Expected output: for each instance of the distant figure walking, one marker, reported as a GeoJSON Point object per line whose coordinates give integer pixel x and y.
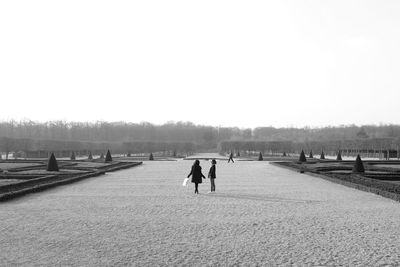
{"type": "Point", "coordinates": [231, 158]}
{"type": "Point", "coordinates": [197, 175]}
{"type": "Point", "coordinates": [211, 175]}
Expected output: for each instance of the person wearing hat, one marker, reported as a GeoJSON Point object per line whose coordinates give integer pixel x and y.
{"type": "Point", "coordinates": [211, 175]}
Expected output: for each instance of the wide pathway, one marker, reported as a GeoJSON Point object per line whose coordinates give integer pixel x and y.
{"type": "Point", "coordinates": [261, 215]}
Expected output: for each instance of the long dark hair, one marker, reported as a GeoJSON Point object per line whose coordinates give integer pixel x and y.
{"type": "Point", "coordinates": [196, 162]}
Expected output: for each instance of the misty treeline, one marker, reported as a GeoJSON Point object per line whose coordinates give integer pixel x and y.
{"type": "Point", "coordinates": [380, 141]}
{"type": "Point", "coordinates": [121, 137]}
{"type": "Point", "coordinates": [120, 131]}
{"type": "Point", "coordinates": [187, 137]}
{"type": "Point", "coordinates": [377, 147]}
{"type": "Point", "coordinates": [345, 132]}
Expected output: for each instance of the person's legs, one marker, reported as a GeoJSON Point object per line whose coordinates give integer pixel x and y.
{"type": "Point", "coordinates": [196, 188]}
{"type": "Point", "coordinates": [212, 185]}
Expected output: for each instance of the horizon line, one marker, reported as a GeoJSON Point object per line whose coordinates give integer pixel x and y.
{"type": "Point", "coordinates": [290, 126]}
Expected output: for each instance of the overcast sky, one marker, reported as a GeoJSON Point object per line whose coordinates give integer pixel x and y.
{"type": "Point", "coordinates": [229, 63]}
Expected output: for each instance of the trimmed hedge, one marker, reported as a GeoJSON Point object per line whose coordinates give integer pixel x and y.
{"type": "Point", "coordinates": [339, 156]}
{"type": "Point", "coordinates": [369, 182]}
{"type": "Point", "coordinates": [52, 165]}
{"type": "Point", "coordinates": [108, 156]}
{"type": "Point", "coordinates": [302, 157]}
{"type": "Point", "coordinates": [375, 182]}
{"type": "Point", "coordinates": [358, 165]}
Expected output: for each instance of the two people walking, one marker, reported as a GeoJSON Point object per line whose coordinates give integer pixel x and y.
{"type": "Point", "coordinates": [197, 175]}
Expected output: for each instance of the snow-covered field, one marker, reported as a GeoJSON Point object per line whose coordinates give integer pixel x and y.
{"type": "Point", "coordinates": [260, 215]}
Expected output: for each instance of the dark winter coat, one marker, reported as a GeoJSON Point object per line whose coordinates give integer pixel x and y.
{"type": "Point", "coordinates": [211, 172]}
{"type": "Point", "coordinates": [196, 173]}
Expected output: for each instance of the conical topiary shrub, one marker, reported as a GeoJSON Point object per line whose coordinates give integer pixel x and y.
{"type": "Point", "coordinates": [151, 156]}
{"type": "Point", "coordinates": [90, 157]}
{"type": "Point", "coordinates": [174, 154]}
{"type": "Point", "coordinates": [73, 157]}
{"type": "Point", "coordinates": [129, 154]}
{"type": "Point", "coordinates": [322, 155]}
{"type": "Point", "coordinates": [108, 156]}
{"type": "Point", "coordinates": [311, 154]}
{"type": "Point", "coordinates": [260, 157]}
{"type": "Point", "coordinates": [358, 165]}
{"type": "Point", "coordinates": [284, 154]}
{"type": "Point", "coordinates": [302, 157]}
{"type": "Point", "coordinates": [101, 156]}
{"type": "Point", "coordinates": [238, 154]}
{"type": "Point", "coordinates": [339, 156]}
{"type": "Point", "coordinates": [52, 165]}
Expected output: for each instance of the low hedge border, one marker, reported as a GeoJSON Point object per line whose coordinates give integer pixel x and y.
{"type": "Point", "coordinates": [379, 187]}
{"type": "Point", "coordinates": [43, 186]}
{"type": "Point", "coordinates": [122, 165]}
{"type": "Point", "coordinates": [19, 176]}
{"type": "Point", "coordinates": [11, 191]}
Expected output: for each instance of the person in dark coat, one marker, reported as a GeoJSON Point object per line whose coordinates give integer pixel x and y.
{"type": "Point", "coordinates": [211, 175]}
{"type": "Point", "coordinates": [231, 158]}
{"type": "Point", "coordinates": [197, 175]}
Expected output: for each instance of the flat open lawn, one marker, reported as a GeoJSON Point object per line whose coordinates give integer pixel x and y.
{"type": "Point", "coordinates": [8, 181]}
{"type": "Point", "coordinates": [394, 166]}
{"type": "Point", "coordinates": [261, 215]}
{"type": "Point", "coordinates": [90, 164]}
{"type": "Point", "coordinates": [12, 165]}
{"type": "Point", "coordinates": [44, 172]}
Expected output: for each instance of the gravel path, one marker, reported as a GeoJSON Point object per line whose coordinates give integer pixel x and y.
{"type": "Point", "coordinates": [261, 215]}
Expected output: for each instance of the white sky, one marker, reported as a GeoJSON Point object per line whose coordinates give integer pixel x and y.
{"type": "Point", "coordinates": [228, 63]}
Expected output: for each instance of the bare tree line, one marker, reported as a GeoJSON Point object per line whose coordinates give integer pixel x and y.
{"type": "Point", "coordinates": [345, 132]}
{"type": "Point", "coordinates": [185, 136]}
{"type": "Point", "coordinates": [183, 132]}
{"type": "Point", "coordinates": [119, 131]}
{"type": "Point", "coordinates": [371, 147]}
{"type": "Point", "coordinates": [38, 139]}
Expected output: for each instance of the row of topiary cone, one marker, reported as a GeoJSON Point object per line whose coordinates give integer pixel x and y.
{"type": "Point", "coordinates": [357, 168]}
{"type": "Point", "coordinates": [52, 164]}
{"type": "Point", "coordinates": [303, 156]}
{"type": "Point", "coordinates": [90, 157]}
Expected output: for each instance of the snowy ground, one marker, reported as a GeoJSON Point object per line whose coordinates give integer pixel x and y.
{"type": "Point", "coordinates": [261, 215]}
